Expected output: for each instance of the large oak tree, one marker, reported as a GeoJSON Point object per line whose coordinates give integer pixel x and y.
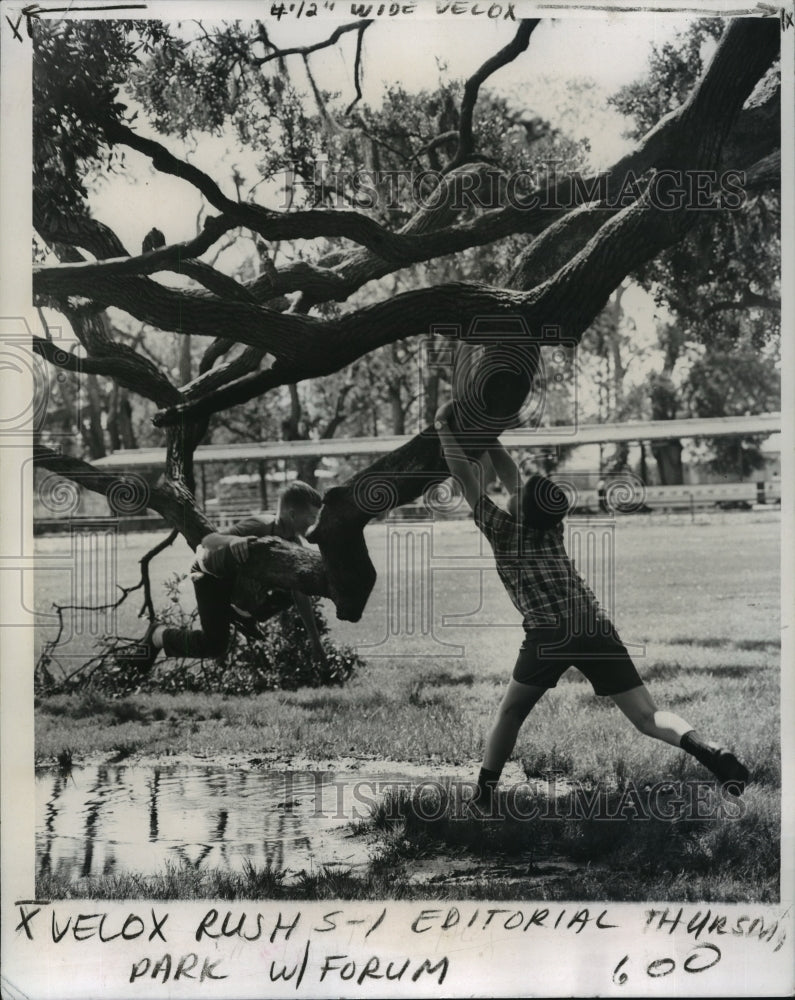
{"type": "Point", "coordinates": [582, 236]}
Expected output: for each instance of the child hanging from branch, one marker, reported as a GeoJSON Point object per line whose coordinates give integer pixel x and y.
{"type": "Point", "coordinates": [218, 558]}
{"type": "Point", "coordinates": [563, 621]}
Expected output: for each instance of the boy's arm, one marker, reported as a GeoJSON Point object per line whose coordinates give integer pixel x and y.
{"type": "Point", "coordinates": [305, 610]}
{"type": "Point", "coordinates": [236, 541]}
{"type": "Point", "coordinates": [237, 545]}
{"type": "Point", "coordinates": [504, 466]}
{"type": "Point", "coordinates": [457, 462]}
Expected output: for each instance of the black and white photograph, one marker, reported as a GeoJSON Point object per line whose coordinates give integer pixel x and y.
{"type": "Point", "coordinates": [397, 499]}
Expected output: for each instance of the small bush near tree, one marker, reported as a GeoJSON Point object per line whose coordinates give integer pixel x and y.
{"type": "Point", "coordinates": [276, 655]}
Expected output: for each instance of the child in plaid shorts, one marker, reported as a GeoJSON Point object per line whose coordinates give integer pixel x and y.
{"type": "Point", "coordinates": [563, 621]}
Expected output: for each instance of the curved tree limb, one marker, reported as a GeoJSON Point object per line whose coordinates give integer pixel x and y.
{"type": "Point", "coordinates": [765, 173]}
{"type": "Point", "coordinates": [216, 378]}
{"type": "Point", "coordinates": [217, 282]}
{"type": "Point", "coordinates": [76, 231]}
{"type": "Point", "coordinates": [518, 44]}
{"type": "Point", "coordinates": [357, 67]}
{"type": "Point", "coordinates": [305, 50]}
{"type": "Point", "coordinates": [123, 364]}
{"type": "Point", "coordinates": [169, 499]}
{"type": "Point", "coordinates": [272, 225]}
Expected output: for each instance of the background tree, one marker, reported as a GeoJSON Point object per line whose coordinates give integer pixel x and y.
{"type": "Point", "coordinates": [720, 283]}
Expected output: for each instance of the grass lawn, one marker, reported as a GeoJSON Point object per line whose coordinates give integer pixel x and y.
{"type": "Point", "coordinates": [701, 601]}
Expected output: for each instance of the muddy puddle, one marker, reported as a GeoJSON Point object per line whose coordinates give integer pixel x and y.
{"type": "Point", "coordinates": [107, 818]}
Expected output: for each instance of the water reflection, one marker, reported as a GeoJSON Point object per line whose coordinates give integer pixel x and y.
{"type": "Point", "coordinates": [108, 818]}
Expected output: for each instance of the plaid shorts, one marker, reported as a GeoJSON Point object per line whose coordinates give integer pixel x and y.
{"type": "Point", "coordinates": [595, 650]}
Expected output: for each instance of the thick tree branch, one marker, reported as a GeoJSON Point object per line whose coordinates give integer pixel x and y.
{"type": "Point", "coordinates": [214, 352]}
{"type": "Point", "coordinates": [549, 251]}
{"type": "Point", "coordinates": [168, 258]}
{"type": "Point", "coordinates": [215, 281]}
{"type": "Point", "coordinates": [213, 379]}
{"type": "Point", "coordinates": [122, 363]}
{"type": "Point", "coordinates": [247, 386]}
{"type": "Point", "coordinates": [174, 503]}
{"type": "Point", "coordinates": [764, 174]}
{"type": "Point", "coordinates": [76, 231]}
{"type": "Point", "coordinates": [269, 224]}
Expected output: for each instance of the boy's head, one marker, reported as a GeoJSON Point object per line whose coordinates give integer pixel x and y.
{"type": "Point", "coordinates": [299, 504]}
{"type": "Point", "coordinates": [539, 503]}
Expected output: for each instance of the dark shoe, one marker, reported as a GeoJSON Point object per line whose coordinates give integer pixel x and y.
{"type": "Point", "coordinates": [484, 804]}
{"type": "Point", "coordinates": [728, 770]}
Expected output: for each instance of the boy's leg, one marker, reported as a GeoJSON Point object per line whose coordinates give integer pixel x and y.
{"type": "Point", "coordinates": [215, 616]}
{"type": "Point", "coordinates": [637, 704]}
{"type": "Point", "coordinates": [516, 705]}
{"type": "Point", "coordinates": [605, 661]}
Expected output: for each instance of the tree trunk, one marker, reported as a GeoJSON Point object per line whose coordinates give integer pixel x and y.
{"type": "Point", "coordinates": [185, 367]}
{"type": "Point", "coordinates": [305, 466]}
{"type": "Point", "coordinates": [396, 406]}
{"type": "Point", "coordinates": [431, 397]}
{"type": "Point", "coordinates": [120, 426]}
{"type": "Point", "coordinates": [126, 429]}
{"type": "Point", "coordinates": [306, 470]}
{"type": "Point", "coordinates": [618, 459]}
{"type": "Point", "coordinates": [92, 419]}
{"type": "Point", "coordinates": [668, 455]}
{"type": "Point", "coordinates": [644, 468]}
{"type": "Point", "coordinates": [114, 434]}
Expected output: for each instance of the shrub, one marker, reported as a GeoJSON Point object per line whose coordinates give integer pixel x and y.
{"type": "Point", "coordinates": [274, 655]}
